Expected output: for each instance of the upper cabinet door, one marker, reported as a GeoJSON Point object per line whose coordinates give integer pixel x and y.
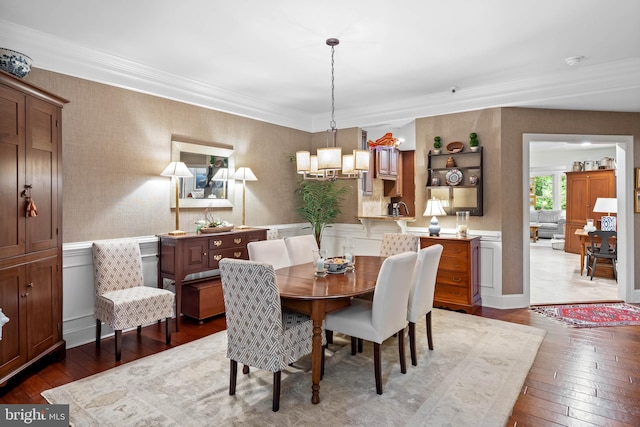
{"type": "Point", "coordinates": [12, 147]}
{"type": "Point", "coordinates": [42, 120]}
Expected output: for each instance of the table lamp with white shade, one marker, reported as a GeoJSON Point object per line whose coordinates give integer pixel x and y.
{"type": "Point", "coordinates": [177, 170]}
{"type": "Point", "coordinates": [434, 209]}
{"type": "Point", "coordinates": [245, 174]}
{"type": "Point", "coordinates": [607, 205]}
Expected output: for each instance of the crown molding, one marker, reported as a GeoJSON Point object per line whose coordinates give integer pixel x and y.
{"type": "Point", "coordinates": [572, 88]}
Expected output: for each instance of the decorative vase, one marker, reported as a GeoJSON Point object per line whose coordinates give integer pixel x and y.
{"type": "Point", "coordinates": [474, 148]}
{"type": "Point", "coordinates": [462, 224]}
{"type": "Point", "coordinates": [436, 151]}
{"type": "Point", "coordinates": [451, 163]}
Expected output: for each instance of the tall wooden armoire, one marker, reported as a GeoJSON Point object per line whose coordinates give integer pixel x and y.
{"type": "Point", "coordinates": [583, 188]}
{"type": "Point", "coordinates": [30, 239]}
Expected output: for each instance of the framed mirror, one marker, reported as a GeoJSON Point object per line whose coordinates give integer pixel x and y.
{"type": "Point", "coordinates": [211, 165]}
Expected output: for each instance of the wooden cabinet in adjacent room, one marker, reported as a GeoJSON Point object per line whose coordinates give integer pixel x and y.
{"type": "Point", "coordinates": [31, 228]}
{"type": "Point", "coordinates": [583, 189]}
{"type": "Point", "coordinates": [388, 162]}
{"type": "Point", "coordinates": [458, 279]}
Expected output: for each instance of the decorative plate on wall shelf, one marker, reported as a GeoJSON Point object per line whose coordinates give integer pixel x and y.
{"type": "Point", "coordinates": [455, 147]}
{"type": "Point", "coordinates": [454, 177]}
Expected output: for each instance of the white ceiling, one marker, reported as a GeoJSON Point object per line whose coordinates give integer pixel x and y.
{"type": "Point", "coordinates": [396, 60]}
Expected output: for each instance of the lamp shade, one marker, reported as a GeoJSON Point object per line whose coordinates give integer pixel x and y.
{"type": "Point", "coordinates": [221, 175]}
{"type": "Point", "coordinates": [303, 161]}
{"type": "Point", "coordinates": [245, 174]}
{"type": "Point", "coordinates": [330, 158]}
{"type": "Point", "coordinates": [606, 204]}
{"type": "Point", "coordinates": [434, 208]}
{"type": "Point", "coordinates": [361, 159]}
{"type": "Point", "coordinates": [177, 169]}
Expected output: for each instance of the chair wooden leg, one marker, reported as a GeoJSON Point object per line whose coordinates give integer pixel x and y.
{"type": "Point", "coordinates": [329, 335]}
{"type": "Point", "coordinates": [377, 368]}
{"type": "Point", "coordinates": [412, 343]}
{"type": "Point", "coordinates": [233, 374]}
{"type": "Point", "coordinates": [401, 352]}
{"type": "Point", "coordinates": [593, 268]}
{"type": "Point", "coordinates": [245, 369]}
{"type": "Point", "coordinates": [118, 345]}
{"type": "Point", "coordinates": [360, 340]}
{"type": "Point", "coordinates": [429, 335]}
{"type": "Point", "coordinates": [98, 331]}
{"type": "Point", "coordinates": [168, 330]}
{"type": "Point", "coordinates": [276, 391]}
{"type": "Point", "coordinates": [353, 345]}
{"type": "Point", "coordinates": [139, 330]}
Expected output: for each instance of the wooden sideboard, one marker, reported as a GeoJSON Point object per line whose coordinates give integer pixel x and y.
{"type": "Point", "coordinates": [181, 256]}
{"type": "Point", "coordinates": [458, 279]}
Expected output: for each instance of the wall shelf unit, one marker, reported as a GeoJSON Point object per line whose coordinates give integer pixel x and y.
{"type": "Point", "coordinates": [459, 185]}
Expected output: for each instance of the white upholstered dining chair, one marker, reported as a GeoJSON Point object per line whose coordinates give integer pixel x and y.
{"type": "Point", "coordinates": [259, 332]}
{"type": "Point", "coordinates": [122, 300]}
{"type": "Point", "coordinates": [301, 248]}
{"type": "Point", "coordinates": [272, 252]}
{"type": "Point", "coordinates": [396, 243]}
{"type": "Point", "coordinates": [421, 294]}
{"type": "Point", "coordinates": [383, 317]}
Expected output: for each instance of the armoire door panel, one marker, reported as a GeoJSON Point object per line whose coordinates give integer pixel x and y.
{"type": "Point", "coordinates": [41, 287]}
{"type": "Point", "coordinates": [42, 174]}
{"type": "Point", "coordinates": [13, 301]}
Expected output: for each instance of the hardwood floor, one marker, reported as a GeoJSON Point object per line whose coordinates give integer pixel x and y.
{"type": "Point", "coordinates": [580, 377]}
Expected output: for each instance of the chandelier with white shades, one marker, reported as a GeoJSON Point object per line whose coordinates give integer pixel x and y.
{"type": "Point", "coordinates": [329, 164]}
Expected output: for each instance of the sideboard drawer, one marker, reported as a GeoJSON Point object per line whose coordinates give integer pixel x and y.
{"type": "Point", "coordinates": [450, 293]}
{"type": "Point", "coordinates": [453, 263]}
{"type": "Point", "coordinates": [456, 249]}
{"type": "Point", "coordinates": [236, 253]}
{"type": "Point", "coordinates": [227, 241]}
{"type": "Point", "coordinates": [455, 278]}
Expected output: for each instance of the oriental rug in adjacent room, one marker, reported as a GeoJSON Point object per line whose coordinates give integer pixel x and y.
{"type": "Point", "coordinates": [592, 315]}
{"type": "Point", "coordinates": [472, 377]}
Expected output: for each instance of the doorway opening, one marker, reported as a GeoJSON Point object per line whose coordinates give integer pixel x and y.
{"type": "Point", "coordinates": [551, 275]}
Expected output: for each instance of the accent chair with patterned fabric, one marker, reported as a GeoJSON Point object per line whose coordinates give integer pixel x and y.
{"type": "Point", "coordinates": [259, 332]}
{"type": "Point", "coordinates": [396, 243]}
{"type": "Point", "coordinates": [423, 287]}
{"type": "Point", "coordinates": [122, 300]}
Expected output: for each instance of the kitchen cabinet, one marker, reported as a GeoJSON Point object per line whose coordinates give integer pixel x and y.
{"type": "Point", "coordinates": [457, 179]}
{"type": "Point", "coordinates": [30, 246]}
{"type": "Point", "coordinates": [458, 278]}
{"type": "Point", "coordinates": [404, 188]}
{"type": "Point", "coordinates": [388, 163]}
{"type": "Point", "coordinates": [583, 188]}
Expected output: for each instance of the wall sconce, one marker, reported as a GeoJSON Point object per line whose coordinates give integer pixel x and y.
{"type": "Point", "coordinates": [177, 170]}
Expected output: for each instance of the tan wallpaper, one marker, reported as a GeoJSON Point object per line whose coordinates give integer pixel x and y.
{"type": "Point", "coordinates": [116, 142]}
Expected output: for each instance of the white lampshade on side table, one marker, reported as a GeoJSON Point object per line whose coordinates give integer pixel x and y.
{"type": "Point", "coordinates": [607, 205]}
{"type": "Point", "coordinates": [177, 170]}
{"type": "Point", "coordinates": [434, 209]}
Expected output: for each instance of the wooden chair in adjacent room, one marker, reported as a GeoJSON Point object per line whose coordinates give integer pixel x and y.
{"type": "Point", "coordinates": [122, 300]}
{"type": "Point", "coordinates": [383, 317]}
{"type": "Point", "coordinates": [259, 332]}
{"type": "Point", "coordinates": [272, 252]}
{"type": "Point", "coordinates": [605, 250]}
{"type": "Point", "coordinates": [421, 295]}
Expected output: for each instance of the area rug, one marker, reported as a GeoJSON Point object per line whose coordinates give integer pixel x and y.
{"type": "Point", "coordinates": [592, 315]}
{"type": "Point", "coordinates": [472, 377]}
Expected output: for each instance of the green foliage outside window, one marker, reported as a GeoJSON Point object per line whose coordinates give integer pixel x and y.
{"type": "Point", "coordinates": [543, 187]}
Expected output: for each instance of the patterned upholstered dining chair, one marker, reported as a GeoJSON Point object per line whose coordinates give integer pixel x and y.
{"type": "Point", "coordinates": [122, 300]}
{"type": "Point", "coordinates": [259, 332]}
{"type": "Point", "coordinates": [383, 317]}
{"type": "Point", "coordinates": [423, 286]}
{"type": "Point", "coordinates": [396, 243]}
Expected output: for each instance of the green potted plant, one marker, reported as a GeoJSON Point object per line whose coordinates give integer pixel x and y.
{"type": "Point", "coordinates": [319, 203]}
{"type": "Point", "coordinates": [473, 141]}
{"type": "Point", "coordinates": [437, 144]}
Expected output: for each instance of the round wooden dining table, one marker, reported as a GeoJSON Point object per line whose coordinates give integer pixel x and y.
{"type": "Point", "coordinates": [304, 292]}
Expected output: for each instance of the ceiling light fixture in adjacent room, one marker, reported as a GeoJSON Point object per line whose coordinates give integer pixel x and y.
{"type": "Point", "coordinates": [574, 60]}
{"type": "Point", "coordinates": [329, 161]}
